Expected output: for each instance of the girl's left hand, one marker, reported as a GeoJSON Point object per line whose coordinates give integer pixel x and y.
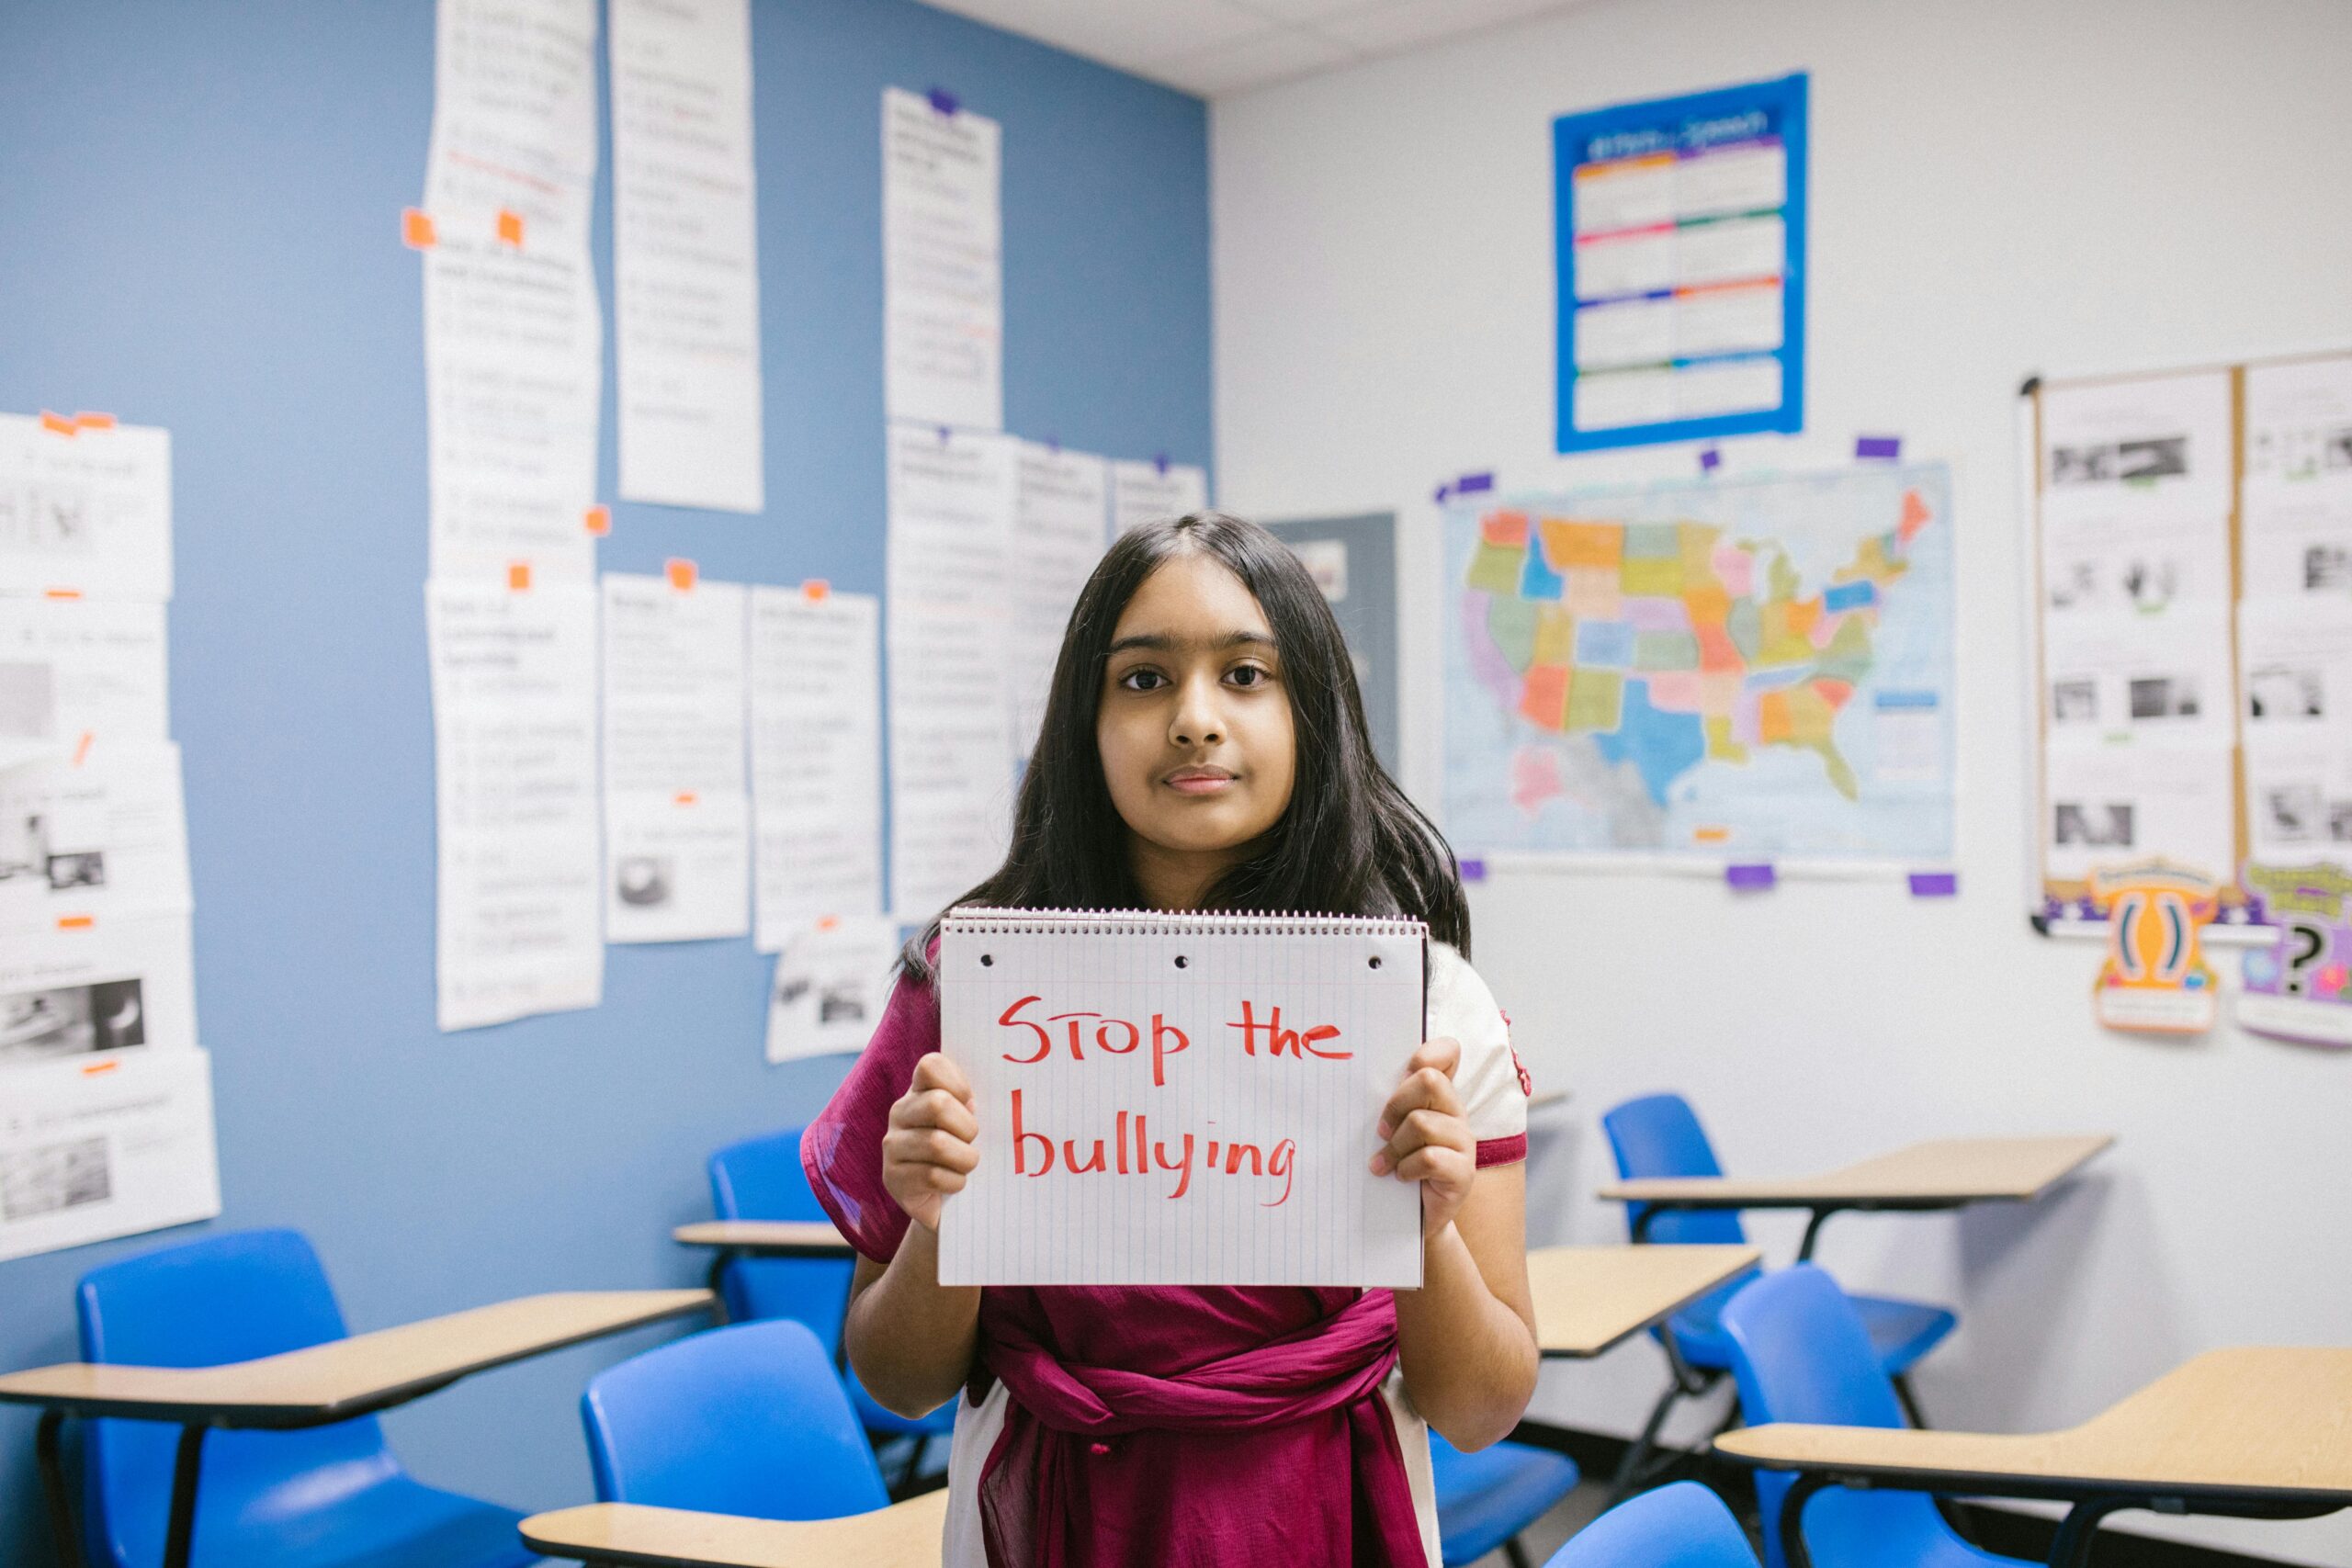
{"type": "Point", "coordinates": [1427, 1140]}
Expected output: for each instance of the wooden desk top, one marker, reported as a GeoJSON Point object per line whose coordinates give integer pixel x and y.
{"type": "Point", "coordinates": [905, 1535]}
{"type": "Point", "coordinates": [1941, 1174]}
{"type": "Point", "coordinates": [2272, 1421]}
{"type": "Point", "coordinates": [348, 1377]}
{"type": "Point", "coordinates": [1590, 1298]}
{"type": "Point", "coordinates": [778, 1238]}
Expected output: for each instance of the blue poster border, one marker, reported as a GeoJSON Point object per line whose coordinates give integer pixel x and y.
{"type": "Point", "coordinates": [1786, 94]}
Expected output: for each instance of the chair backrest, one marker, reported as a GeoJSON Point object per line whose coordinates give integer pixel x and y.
{"type": "Point", "coordinates": [220, 1298]}
{"type": "Point", "coordinates": [1682, 1526]}
{"type": "Point", "coordinates": [1660, 1135]}
{"type": "Point", "coordinates": [1800, 1353]}
{"type": "Point", "coordinates": [750, 1420]}
{"type": "Point", "coordinates": [763, 1179]}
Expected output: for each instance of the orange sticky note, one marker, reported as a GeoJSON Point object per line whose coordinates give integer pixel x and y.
{"type": "Point", "coordinates": [93, 421]}
{"type": "Point", "coordinates": [683, 797]}
{"type": "Point", "coordinates": [510, 226]}
{"type": "Point", "coordinates": [816, 588]}
{"type": "Point", "coordinates": [680, 573]}
{"type": "Point", "coordinates": [75, 922]}
{"type": "Point", "coordinates": [57, 424]}
{"type": "Point", "coordinates": [416, 230]}
{"type": "Point", "coordinates": [518, 575]}
{"type": "Point", "coordinates": [598, 520]}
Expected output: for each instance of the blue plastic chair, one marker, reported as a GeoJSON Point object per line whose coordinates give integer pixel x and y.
{"type": "Point", "coordinates": [1660, 1135]}
{"type": "Point", "coordinates": [1801, 1353]}
{"type": "Point", "coordinates": [748, 1420]}
{"type": "Point", "coordinates": [1682, 1526]}
{"type": "Point", "coordinates": [324, 1498]}
{"type": "Point", "coordinates": [763, 1179]}
{"type": "Point", "coordinates": [1484, 1499]}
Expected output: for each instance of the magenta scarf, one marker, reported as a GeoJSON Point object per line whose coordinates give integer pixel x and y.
{"type": "Point", "coordinates": [1149, 1425]}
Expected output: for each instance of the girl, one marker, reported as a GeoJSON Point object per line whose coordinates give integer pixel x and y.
{"type": "Point", "coordinates": [1204, 747]}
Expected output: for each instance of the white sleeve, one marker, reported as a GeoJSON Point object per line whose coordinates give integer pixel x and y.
{"type": "Point", "coordinates": [1493, 1087]}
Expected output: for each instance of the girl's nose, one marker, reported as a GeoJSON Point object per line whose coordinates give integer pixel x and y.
{"type": "Point", "coordinates": [1196, 721]}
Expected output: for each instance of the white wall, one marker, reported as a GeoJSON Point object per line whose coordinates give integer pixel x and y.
{"type": "Point", "coordinates": [1999, 188]}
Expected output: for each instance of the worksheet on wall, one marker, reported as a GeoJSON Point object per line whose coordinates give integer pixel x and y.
{"type": "Point", "coordinates": [94, 1148]}
{"type": "Point", "coordinates": [101, 838]}
{"type": "Point", "coordinates": [1058, 536]}
{"type": "Point", "coordinates": [96, 985]}
{"type": "Point", "coordinates": [816, 759]}
{"type": "Point", "coordinates": [677, 809]}
{"type": "Point", "coordinates": [830, 985]}
{"type": "Point", "coordinates": [1155, 491]}
{"type": "Point", "coordinates": [952, 500]}
{"type": "Point", "coordinates": [685, 253]}
{"type": "Point", "coordinates": [943, 270]}
{"type": "Point", "coordinates": [85, 507]}
{"type": "Point", "coordinates": [80, 672]}
{"type": "Point", "coordinates": [514, 333]}
{"type": "Point", "coordinates": [519, 926]}
{"type": "Point", "coordinates": [2298, 496]}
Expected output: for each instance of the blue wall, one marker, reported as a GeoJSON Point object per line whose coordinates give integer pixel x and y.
{"type": "Point", "coordinates": [198, 228]}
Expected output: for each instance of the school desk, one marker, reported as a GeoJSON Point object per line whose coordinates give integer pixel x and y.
{"type": "Point", "coordinates": [730, 1239]}
{"type": "Point", "coordinates": [1588, 1298]}
{"type": "Point", "coordinates": [1946, 1173]}
{"type": "Point", "coordinates": [312, 1387]}
{"type": "Point", "coordinates": [904, 1535]}
{"type": "Point", "coordinates": [2263, 1433]}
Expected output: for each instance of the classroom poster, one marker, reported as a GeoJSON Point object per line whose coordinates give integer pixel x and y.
{"type": "Point", "coordinates": [942, 261]}
{"type": "Point", "coordinates": [1058, 519]}
{"type": "Point", "coordinates": [1680, 257]}
{"type": "Point", "coordinates": [816, 683]}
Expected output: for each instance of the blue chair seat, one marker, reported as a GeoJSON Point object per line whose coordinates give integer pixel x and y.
{"type": "Point", "coordinates": [1486, 1498]}
{"type": "Point", "coordinates": [1682, 1526]}
{"type": "Point", "coordinates": [390, 1522]}
{"type": "Point", "coordinates": [940, 1423]}
{"type": "Point", "coordinates": [1900, 1331]}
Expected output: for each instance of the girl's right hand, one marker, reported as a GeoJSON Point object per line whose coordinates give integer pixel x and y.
{"type": "Point", "coordinates": [929, 1148]}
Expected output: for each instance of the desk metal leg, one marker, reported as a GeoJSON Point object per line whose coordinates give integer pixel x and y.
{"type": "Point", "coordinates": [718, 1262]}
{"type": "Point", "coordinates": [1792, 1549]}
{"type": "Point", "coordinates": [1813, 1234]}
{"type": "Point", "coordinates": [53, 1486]}
{"type": "Point", "coordinates": [179, 1540]}
{"type": "Point", "coordinates": [2072, 1549]}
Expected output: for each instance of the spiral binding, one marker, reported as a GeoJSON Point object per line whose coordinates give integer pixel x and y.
{"type": "Point", "coordinates": [1162, 922]}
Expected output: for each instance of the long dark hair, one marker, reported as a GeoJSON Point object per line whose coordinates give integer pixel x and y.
{"type": "Point", "coordinates": [1349, 843]}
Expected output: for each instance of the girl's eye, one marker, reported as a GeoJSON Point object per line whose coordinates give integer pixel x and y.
{"type": "Point", "coordinates": [1246, 675]}
{"type": "Point", "coordinates": [1141, 680]}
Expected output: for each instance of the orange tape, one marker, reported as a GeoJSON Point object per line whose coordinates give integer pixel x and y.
{"type": "Point", "coordinates": [518, 575]}
{"type": "Point", "coordinates": [510, 226]}
{"type": "Point", "coordinates": [416, 230]}
{"type": "Point", "coordinates": [93, 421]}
{"type": "Point", "coordinates": [816, 588]}
{"type": "Point", "coordinates": [82, 750]}
{"type": "Point", "coordinates": [829, 922]}
{"type": "Point", "coordinates": [96, 1068]}
{"type": "Point", "coordinates": [75, 922]}
{"type": "Point", "coordinates": [680, 573]}
{"type": "Point", "coordinates": [1712, 835]}
{"type": "Point", "coordinates": [683, 797]}
{"type": "Point", "coordinates": [61, 594]}
{"type": "Point", "coordinates": [57, 424]}
{"type": "Point", "coordinates": [598, 520]}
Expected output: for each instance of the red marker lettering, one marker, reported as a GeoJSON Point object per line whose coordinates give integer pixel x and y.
{"type": "Point", "coordinates": [1021, 1142]}
{"type": "Point", "coordinates": [1044, 1041]}
{"type": "Point", "coordinates": [1184, 1166]}
{"type": "Point", "coordinates": [1161, 1032]}
{"type": "Point", "coordinates": [1075, 1054]}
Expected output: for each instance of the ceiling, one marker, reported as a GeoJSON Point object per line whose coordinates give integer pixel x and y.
{"type": "Point", "coordinates": [1216, 47]}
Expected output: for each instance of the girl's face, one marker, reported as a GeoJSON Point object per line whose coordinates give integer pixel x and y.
{"type": "Point", "coordinates": [1194, 723]}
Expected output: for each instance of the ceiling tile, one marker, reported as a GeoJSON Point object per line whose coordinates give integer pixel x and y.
{"type": "Point", "coordinates": [1124, 33]}
{"type": "Point", "coordinates": [1404, 24]}
{"type": "Point", "coordinates": [1275, 56]}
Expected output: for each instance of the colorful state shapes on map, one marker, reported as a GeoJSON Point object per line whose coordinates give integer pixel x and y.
{"type": "Point", "coordinates": [1648, 615]}
{"type": "Point", "coordinates": [1488, 665]}
{"type": "Point", "coordinates": [1653, 541]}
{"type": "Point", "coordinates": [1536, 778]}
{"type": "Point", "coordinates": [1507, 529]}
{"type": "Point", "coordinates": [1800, 716]}
{"type": "Point", "coordinates": [1680, 692]}
{"type": "Point", "coordinates": [1569, 544]}
{"type": "Point", "coordinates": [1716, 650]}
{"type": "Point", "coordinates": [1848, 657]}
{"type": "Point", "coordinates": [1748, 718]}
{"type": "Point", "coordinates": [1496, 569]}
{"type": "Point", "coordinates": [1593, 594]}
{"type": "Point", "coordinates": [1556, 636]}
{"type": "Point", "coordinates": [1785, 625]}
{"type": "Point", "coordinates": [1537, 580]}
{"type": "Point", "coordinates": [1666, 652]}
{"type": "Point", "coordinates": [1696, 544]}
{"type": "Point", "coordinates": [1844, 596]}
{"type": "Point", "coordinates": [1774, 727]}
{"type": "Point", "coordinates": [1704, 603]}
{"type": "Point", "coordinates": [1605, 645]}
{"type": "Point", "coordinates": [1836, 693]}
{"type": "Point", "coordinates": [1915, 516]}
{"type": "Point", "coordinates": [1510, 621]}
{"type": "Point", "coordinates": [1721, 744]}
{"type": "Point", "coordinates": [1544, 699]}
{"type": "Point", "coordinates": [1745, 626]}
{"type": "Point", "coordinates": [1596, 699]}
{"type": "Point", "coordinates": [1735, 568]}
{"type": "Point", "coordinates": [1652, 576]}
{"type": "Point", "coordinates": [1661, 746]}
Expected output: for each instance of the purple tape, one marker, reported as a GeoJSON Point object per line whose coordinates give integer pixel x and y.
{"type": "Point", "coordinates": [1750, 878]}
{"type": "Point", "coordinates": [1887, 446]}
{"type": "Point", "coordinates": [1935, 885]}
{"type": "Point", "coordinates": [942, 100]}
{"type": "Point", "coordinates": [1471, 484]}
{"type": "Point", "coordinates": [1474, 870]}
{"type": "Point", "coordinates": [1709, 460]}
{"type": "Point", "coordinates": [1159, 461]}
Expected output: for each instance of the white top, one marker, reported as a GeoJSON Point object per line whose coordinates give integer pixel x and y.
{"type": "Point", "coordinates": [1493, 1089]}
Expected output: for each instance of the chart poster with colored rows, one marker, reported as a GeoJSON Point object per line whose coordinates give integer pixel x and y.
{"type": "Point", "coordinates": [1681, 233]}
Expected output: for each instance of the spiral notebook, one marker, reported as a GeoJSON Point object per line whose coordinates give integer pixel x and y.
{"type": "Point", "coordinates": [1180, 1099]}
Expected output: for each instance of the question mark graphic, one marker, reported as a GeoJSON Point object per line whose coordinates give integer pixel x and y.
{"type": "Point", "coordinates": [2310, 942]}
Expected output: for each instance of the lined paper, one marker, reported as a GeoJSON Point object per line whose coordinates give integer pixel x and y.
{"type": "Point", "coordinates": [1290, 1200]}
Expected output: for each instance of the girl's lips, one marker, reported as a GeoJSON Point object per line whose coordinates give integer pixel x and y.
{"type": "Point", "coordinates": [1198, 781]}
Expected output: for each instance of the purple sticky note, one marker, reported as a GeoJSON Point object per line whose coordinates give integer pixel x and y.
{"type": "Point", "coordinates": [1750, 878]}
{"type": "Point", "coordinates": [1709, 460]}
{"type": "Point", "coordinates": [1474, 870]}
{"type": "Point", "coordinates": [1470, 484]}
{"type": "Point", "coordinates": [1935, 885]}
{"type": "Point", "coordinates": [1889, 447]}
{"type": "Point", "coordinates": [942, 100]}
